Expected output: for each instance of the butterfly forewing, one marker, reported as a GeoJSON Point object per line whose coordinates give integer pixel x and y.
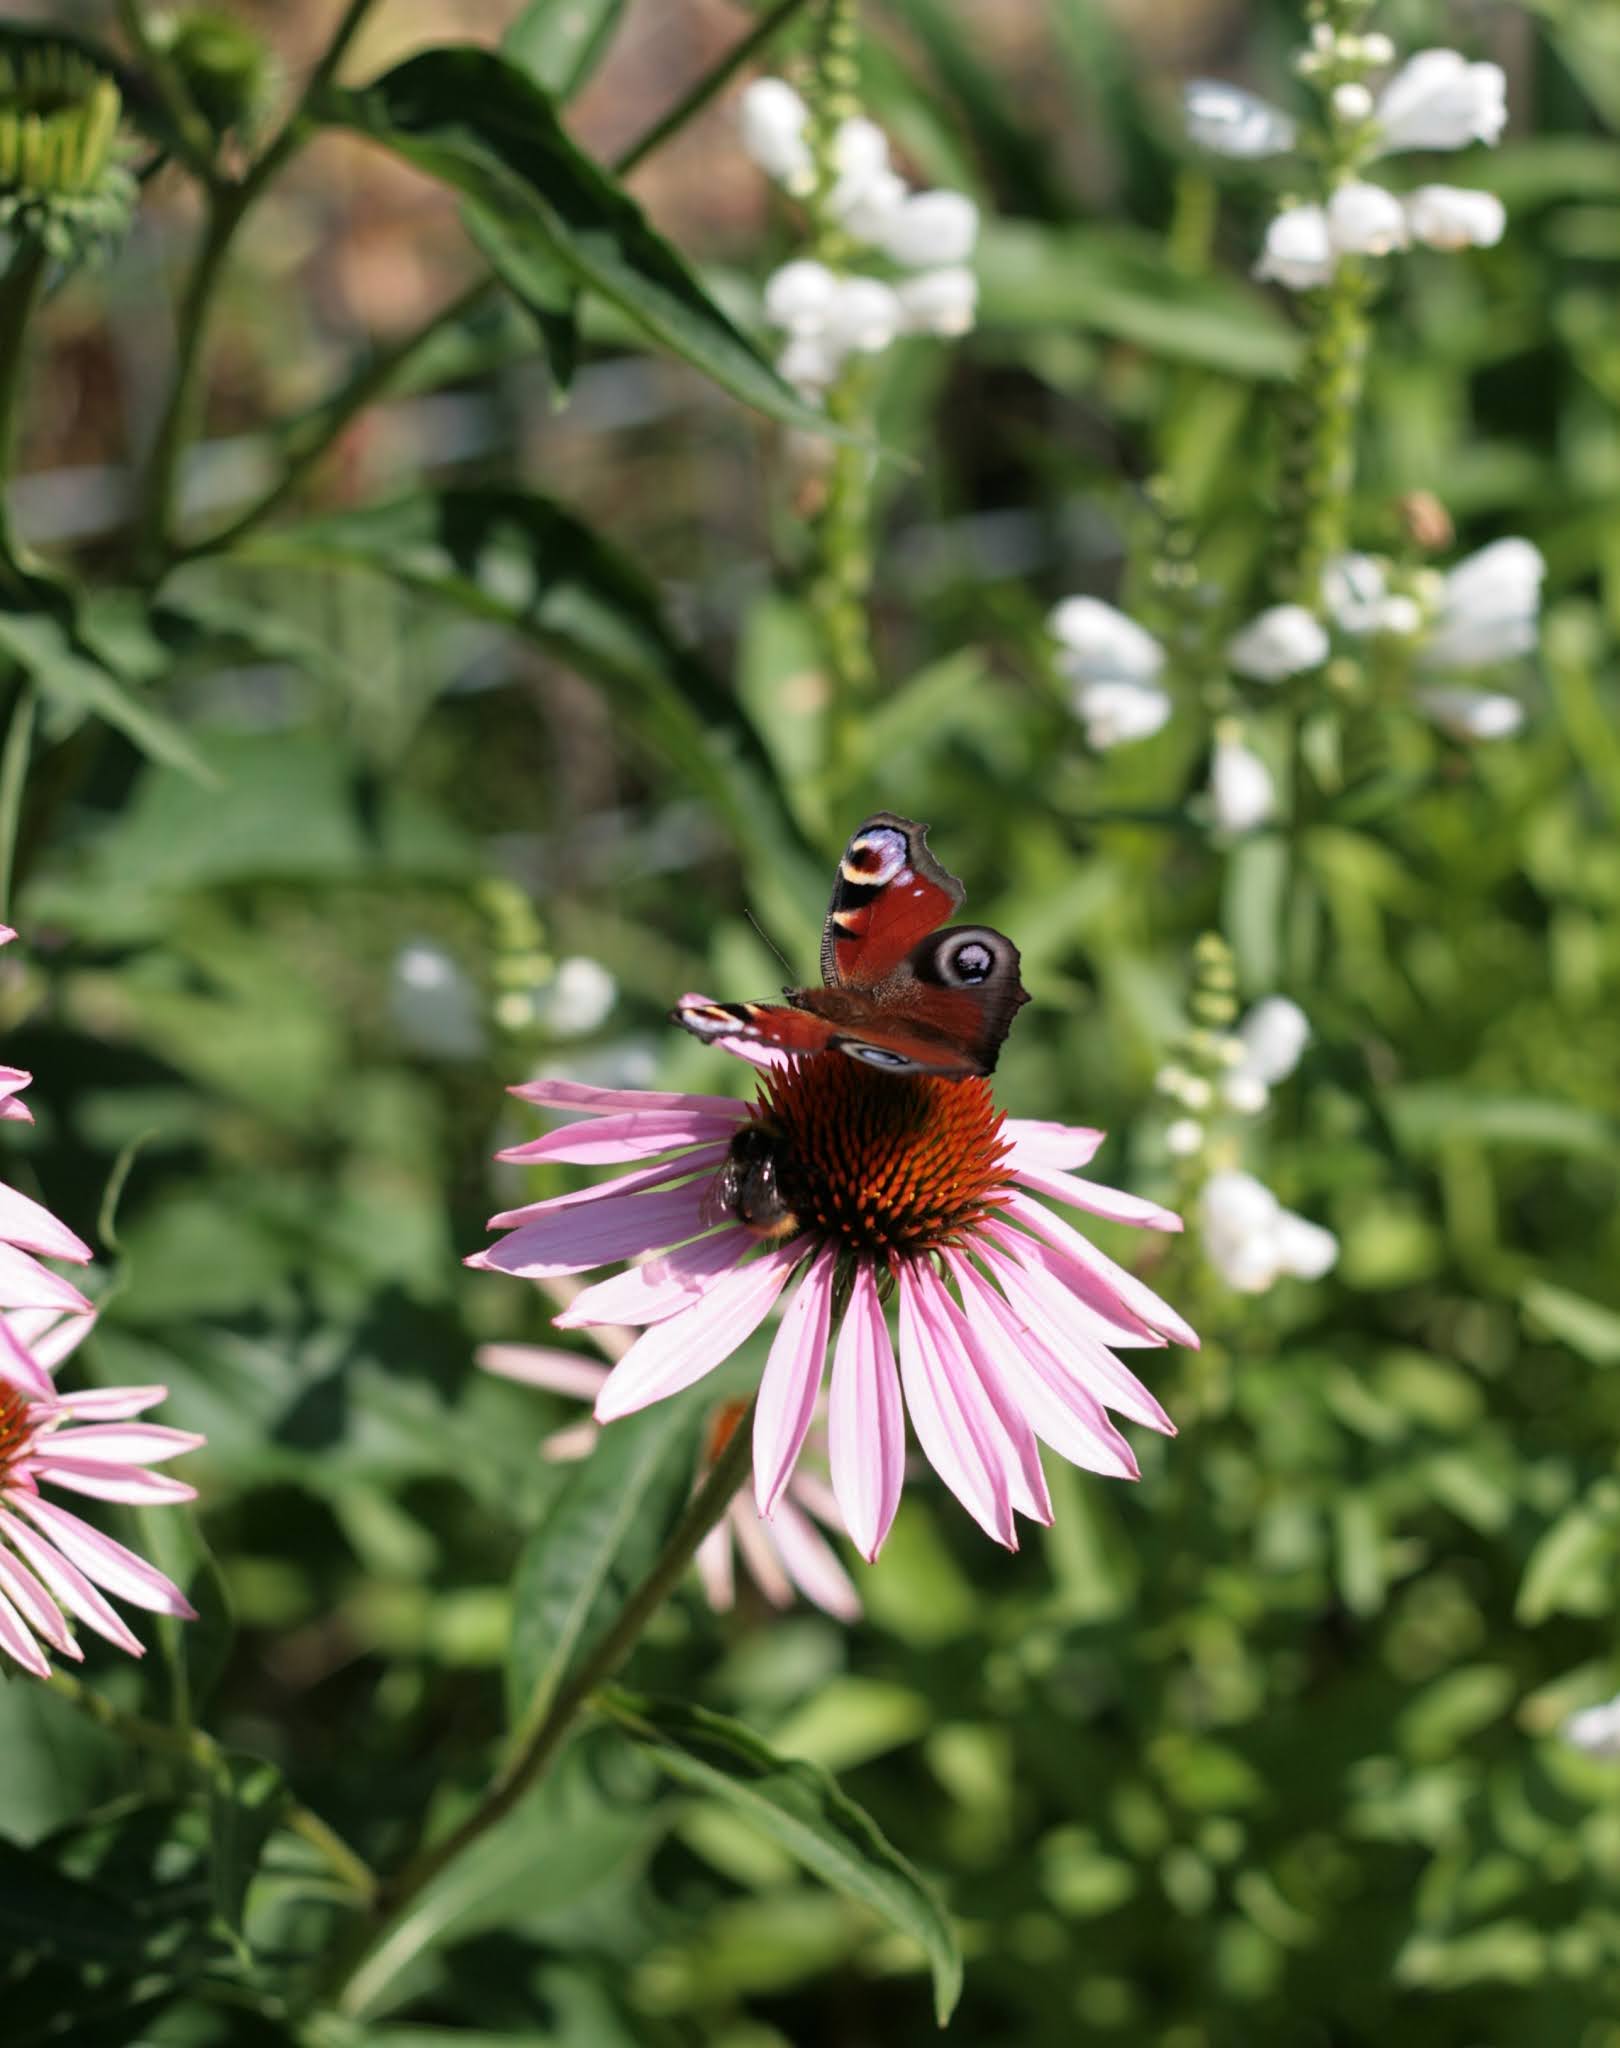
{"type": "Point", "coordinates": [889, 893]}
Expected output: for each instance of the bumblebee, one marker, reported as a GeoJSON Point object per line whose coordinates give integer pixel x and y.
{"type": "Point", "coordinates": [747, 1190]}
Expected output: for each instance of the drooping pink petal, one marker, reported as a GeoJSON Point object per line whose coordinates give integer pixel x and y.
{"type": "Point", "coordinates": [574, 1240]}
{"type": "Point", "coordinates": [715, 1567]}
{"type": "Point", "coordinates": [25, 1283]}
{"type": "Point", "coordinates": [760, 1558]}
{"type": "Point", "coordinates": [578, 1095]}
{"type": "Point", "coordinates": [811, 1562]}
{"type": "Point", "coordinates": [1057, 1147]}
{"type": "Point", "coordinates": [678, 1353]}
{"type": "Point", "coordinates": [49, 1335]}
{"type": "Point", "coordinates": [11, 1110]}
{"type": "Point", "coordinates": [1138, 1298]}
{"type": "Point", "coordinates": [1001, 1417]}
{"type": "Point", "coordinates": [31, 1225]}
{"type": "Point", "coordinates": [559, 1372]}
{"type": "Point", "coordinates": [866, 1431]}
{"type": "Point", "coordinates": [568, 1446]}
{"type": "Point", "coordinates": [947, 1416]}
{"type": "Point", "coordinates": [701, 1159]}
{"type": "Point", "coordinates": [1096, 1199]}
{"type": "Point", "coordinates": [1041, 1302]}
{"type": "Point", "coordinates": [18, 1644]}
{"type": "Point", "coordinates": [641, 1134]}
{"type": "Point", "coordinates": [119, 1443]}
{"type": "Point", "coordinates": [126, 1483]}
{"type": "Point", "coordinates": [791, 1381]}
{"type": "Point", "coordinates": [1060, 1409]}
{"type": "Point", "coordinates": [36, 1606]}
{"type": "Point", "coordinates": [109, 1563]}
{"type": "Point", "coordinates": [660, 1288]}
{"type": "Point", "coordinates": [70, 1586]}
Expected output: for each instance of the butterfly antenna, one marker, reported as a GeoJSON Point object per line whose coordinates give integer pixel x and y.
{"type": "Point", "coordinates": [787, 965]}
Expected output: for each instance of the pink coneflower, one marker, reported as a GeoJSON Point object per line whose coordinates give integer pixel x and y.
{"type": "Point", "coordinates": [52, 1564]}
{"type": "Point", "coordinates": [788, 1553]}
{"type": "Point", "coordinates": [910, 1186]}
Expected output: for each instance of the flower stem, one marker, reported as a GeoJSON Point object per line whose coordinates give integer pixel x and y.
{"type": "Point", "coordinates": [20, 289]}
{"type": "Point", "coordinates": [1320, 466]}
{"type": "Point", "coordinates": [193, 138]}
{"type": "Point", "coordinates": [712, 82]}
{"type": "Point", "coordinates": [375, 1956]}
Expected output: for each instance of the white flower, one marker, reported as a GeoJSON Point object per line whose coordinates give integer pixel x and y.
{"type": "Point", "coordinates": [876, 201]}
{"type": "Point", "coordinates": [580, 996]}
{"type": "Point", "coordinates": [1245, 1093]}
{"type": "Point", "coordinates": [1184, 1137]}
{"type": "Point", "coordinates": [861, 158]}
{"type": "Point", "coordinates": [1438, 100]}
{"type": "Point", "coordinates": [809, 364]}
{"type": "Point", "coordinates": [1100, 644]}
{"type": "Point", "coordinates": [1304, 1249]}
{"type": "Point", "coordinates": [1115, 713]}
{"type": "Point", "coordinates": [1284, 641]}
{"type": "Point", "coordinates": [1241, 795]}
{"type": "Point", "coordinates": [1489, 609]}
{"type": "Point", "coordinates": [1252, 1240]}
{"type": "Point", "coordinates": [1365, 220]}
{"type": "Point", "coordinates": [1273, 1035]}
{"type": "Point", "coordinates": [1229, 122]}
{"type": "Point", "coordinates": [1299, 253]}
{"type": "Point", "coordinates": [1595, 1729]}
{"type": "Point", "coordinates": [800, 297]}
{"type": "Point", "coordinates": [932, 228]}
{"type": "Point", "coordinates": [1471, 714]}
{"type": "Point", "coordinates": [1352, 102]}
{"type": "Point", "coordinates": [433, 1005]}
{"type": "Point", "coordinates": [774, 132]}
{"type": "Point", "coordinates": [1455, 217]}
{"type": "Point", "coordinates": [1356, 592]}
{"type": "Point", "coordinates": [865, 316]}
{"type": "Point", "coordinates": [939, 301]}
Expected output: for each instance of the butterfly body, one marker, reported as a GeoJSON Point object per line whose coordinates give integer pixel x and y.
{"type": "Point", "coordinates": [902, 991]}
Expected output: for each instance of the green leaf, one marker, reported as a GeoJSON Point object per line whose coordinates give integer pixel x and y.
{"type": "Point", "coordinates": [43, 1911]}
{"type": "Point", "coordinates": [559, 43]}
{"type": "Point", "coordinates": [246, 1797]}
{"type": "Point", "coordinates": [474, 121]}
{"type": "Point", "coordinates": [598, 1541]}
{"type": "Point", "coordinates": [1428, 1113]}
{"type": "Point", "coordinates": [1570, 1570]}
{"type": "Point", "coordinates": [542, 281]}
{"type": "Point", "coordinates": [800, 1807]}
{"type": "Point", "coordinates": [1585, 1326]}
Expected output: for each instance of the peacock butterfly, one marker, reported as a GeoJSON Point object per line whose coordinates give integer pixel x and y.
{"type": "Point", "coordinates": [900, 993]}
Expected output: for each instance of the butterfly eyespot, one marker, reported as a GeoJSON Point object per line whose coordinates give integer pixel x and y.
{"type": "Point", "coordinates": [876, 1056]}
{"type": "Point", "coordinates": [973, 961]}
{"type": "Point", "coordinates": [875, 860]}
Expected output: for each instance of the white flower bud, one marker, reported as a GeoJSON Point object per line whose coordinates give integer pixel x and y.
{"type": "Point", "coordinates": [1471, 714]}
{"type": "Point", "coordinates": [1377, 49]}
{"type": "Point", "coordinates": [1596, 1730]}
{"type": "Point", "coordinates": [1284, 641]}
{"type": "Point", "coordinates": [1438, 100]}
{"type": "Point", "coordinates": [1100, 644]}
{"type": "Point", "coordinates": [1304, 1249]}
{"type": "Point", "coordinates": [1241, 795]}
{"type": "Point", "coordinates": [1170, 1081]}
{"type": "Point", "coordinates": [1230, 122]}
{"type": "Point", "coordinates": [1246, 1093]}
{"type": "Point", "coordinates": [1365, 220]}
{"type": "Point", "coordinates": [932, 228]}
{"type": "Point", "coordinates": [1115, 713]}
{"type": "Point", "coordinates": [876, 201]}
{"type": "Point", "coordinates": [1184, 1137]}
{"type": "Point", "coordinates": [774, 124]}
{"type": "Point", "coordinates": [942, 302]}
{"type": "Point", "coordinates": [1352, 102]}
{"type": "Point", "coordinates": [861, 157]}
{"type": "Point", "coordinates": [1273, 1034]}
{"type": "Point", "coordinates": [1239, 1216]}
{"type": "Point", "coordinates": [581, 996]}
{"type": "Point", "coordinates": [1489, 608]}
{"type": "Point", "coordinates": [1299, 253]}
{"type": "Point", "coordinates": [865, 315]}
{"type": "Point", "coordinates": [1455, 217]}
{"type": "Point", "coordinates": [809, 364]}
{"type": "Point", "coordinates": [800, 297]}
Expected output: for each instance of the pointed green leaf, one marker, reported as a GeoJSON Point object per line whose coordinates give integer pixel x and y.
{"type": "Point", "coordinates": [75, 673]}
{"type": "Point", "coordinates": [559, 43]}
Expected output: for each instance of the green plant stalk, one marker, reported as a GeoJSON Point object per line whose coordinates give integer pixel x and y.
{"type": "Point", "coordinates": [13, 774]}
{"type": "Point", "coordinates": [202, 1755]}
{"type": "Point", "coordinates": [19, 294]}
{"type": "Point", "coordinates": [366, 1962]}
{"type": "Point", "coordinates": [192, 133]}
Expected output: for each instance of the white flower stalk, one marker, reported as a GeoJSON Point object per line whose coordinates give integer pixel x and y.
{"type": "Point", "coordinates": [1438, 100]}
{"type": "Point", "coordinates": [1242, 796]}
{"type": "Point", "coordinates": [1365, 220]}
{"type": "Point", "coordinates": [1299, 253]}
{"type": "Point", "coordinates": [1252, 1241]}
{"type": "Point", "coordinates": [1115, 713]}
{"type": "Point", "coordinates": [1470, 715]}
{"type": "Point", "coordinates": [1490, 608]}
{"type": "Point", "coordinates": [775, 132]}
{"type": "Point", "coordinates": [1356, 593]}
{"type": "Point", "coordinates": [1455, 217]}
{"type": "Point", "coordinates": [1099, 644]}
{"type": "Point", "coordinates": [1230, 122]}
{"type": "Point", "coordinates": [930, 229]}
{"type": "Point", "coordinates": [940, 302]}
{"type": "Point", "coordinates": [1283, 641]}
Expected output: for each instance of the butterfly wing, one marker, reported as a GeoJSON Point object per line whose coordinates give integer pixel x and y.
{"type": "Point", "coordinates": [888, 894]}
{"type": "Point", "coordinates": [850, 1021]}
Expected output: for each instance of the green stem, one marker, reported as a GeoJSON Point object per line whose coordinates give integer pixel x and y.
{"type": "Point", "coordinates": [712, 82]}
{"type": "Point", "coordinates": [202, 1754]}
{"type": "Point", "coordinates": [381, 1941]}
{"type": "Point", "coordinates": [19, 294]}
{"type": "Point", "coordinates": [13, 774]}
{"type": "Point", "coordinates": [1322, 464]}
{"type": "Point", "coordinates": [194, 138]}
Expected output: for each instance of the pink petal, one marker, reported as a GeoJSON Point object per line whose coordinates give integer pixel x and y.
{"type": "Point", "coordinates": [111, 1482]}
{"type": "Point", "coordinates": [19, 1366]}
{"type": "Point", "coordinates": [7, 934]}
{"type": "Point", "coordinates": [660, 1175]}
{"type": "Point", "coordinates": [119, 1570]}
{"type": "Point", "coordinates": [660, 1288]}
{"type": "Point", "coordinates": [683, 1350]}
{"type": "Point", "coordinates": [1096, 1199]}
{"type": "Point", "coordinates": [559, 1372]}
{"type": "Point", "coordinates": [1130, 1292]}
{"type": "Point", "coordinates": [19, 1644]}
{"type": "Point", "coordinates": [1041, 1300]}
{"type": "Point", "coordinates": [31, 1225]}
{"type": "Point", "coordinates": [24, 1283]}
{"type": "Point", "coordinates": [791, 1382]}
{"type": "Point", "coordinates": [1053, 1146]}
{"type": "Point", "coordinates": [116, 1443]}
{"type": "Point", "coordinates": [568, 1446]}
{"type": "Point", "coordinates": [866, 1430]}
{"type": "Point", "coordinates": [1060, 1410]}
{"type": "Point", "coordinates": [36, 1606]}
{"type": "Point", "coordinates": [577, 1095]}
{"type": "Point", "coordinates": [812, 1564]}
{"type": "Point", "coordinates": [112, 1404]}
{"type": "Point", "coordinates": [69, 1585]}
{"type": "Point", "coordinates": [612, 1138]}
{"type": "Point", "coordinates": [48, 1334]}
{"type": "Point", "coordinates": [574, 1240]}
{"type": "Point", "coordinates": [714, 1567]}
{"type": "Point", "coordinates": [11, 1110]}
{"type": "Point", "coordinates": [947, 1420]}
{"type": "Point", "coordinates": [759, 1554]}
{"type": "Point", "coordinates": [1003, 1419]}
{"type": "Point", "coordinates": [1093, 1308]}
